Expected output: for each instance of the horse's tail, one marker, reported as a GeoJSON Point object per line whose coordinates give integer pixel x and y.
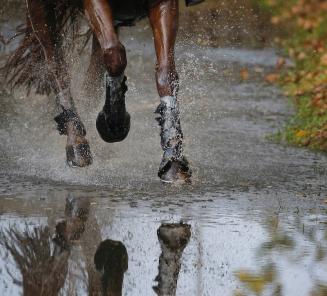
{"type": "Point", "coordinates": [27, 66]}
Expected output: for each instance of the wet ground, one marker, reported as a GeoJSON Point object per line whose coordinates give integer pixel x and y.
{"type": "Point", "coordinates": [253, 221]}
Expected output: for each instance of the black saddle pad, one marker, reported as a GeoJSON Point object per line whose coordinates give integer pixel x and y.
{"type": "Point", "coordinates": [127, 12]}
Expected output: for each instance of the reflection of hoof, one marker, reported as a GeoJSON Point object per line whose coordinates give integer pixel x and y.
{"type": "Point", "coordinates": [175, 171]}
{"type": "Point", "coordinates": [70, 230]}
{"type": "Point", "coordinates": [111, 260]}
{"type": "Point", "coordinates": [77, 211]}
{"type": "Point", "coordinates": [79, 155]}
{"type": "Point", "coordinates": [110, 131]}
{"type": "Point", "coordinates": [174, 236]}
{"type": "Point", "coordinates": [77, 208]}
{"type": "Point", "coordinates": [111, 256]}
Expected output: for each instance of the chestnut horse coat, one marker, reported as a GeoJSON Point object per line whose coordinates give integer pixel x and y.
{"type": "Point", "coordinates": [27, 65]}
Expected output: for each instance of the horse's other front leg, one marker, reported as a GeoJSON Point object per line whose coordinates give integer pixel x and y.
{"type": "Point", "coordinates": [69, 123]}
{"type": "Point", "coordinates": [164, 21]}
{"type": "Point", "coordinates": [113, 122]}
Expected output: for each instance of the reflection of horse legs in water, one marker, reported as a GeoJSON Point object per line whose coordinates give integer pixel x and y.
{"type": "Point", "coordinates": [42, 273]}
{"type": "Point", "coordinates": [107, 262]}
{"type": "Point", "coordinates": [111, 261]}
{"type": "Point", "coordinates": [44, 266]}
{"type": "Point", "coordinates": [173, 239]}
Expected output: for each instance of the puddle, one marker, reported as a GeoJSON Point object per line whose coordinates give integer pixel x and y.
{"type": "Point", "coordinates": [140, 242]}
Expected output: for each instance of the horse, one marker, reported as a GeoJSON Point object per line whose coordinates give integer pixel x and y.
{"type": "Point", "coordinates": [39, 62]}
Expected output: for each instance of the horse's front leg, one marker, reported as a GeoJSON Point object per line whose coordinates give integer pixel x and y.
{"type": "Point", "coordinates": [113, 122]}
{"type": "Point", "coordinates": [164, 21]}
{"type": "Point", "coordinates": [77, 148]}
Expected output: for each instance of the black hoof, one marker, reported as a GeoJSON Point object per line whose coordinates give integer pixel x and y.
{"type": "Point", "coordinates": [79, 155]}
{"type": "Point", "coordinates": [112, 132]}
{"type": "Point", "coordinates": [176, 171]}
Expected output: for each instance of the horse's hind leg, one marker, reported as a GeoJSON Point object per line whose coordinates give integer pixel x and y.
{"type": "Point", "coordinates": [164, 21]}
{"type": "Point", "coordinates": [113, 121]}
{"type": "Point", "coordinates": [69, 123]}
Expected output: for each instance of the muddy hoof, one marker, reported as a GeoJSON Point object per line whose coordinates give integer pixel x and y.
{"type": "Point", "coordinates": [78, 155]}
{"type": "Point", "coordinates": [176, 172]}
{"type": "Point", "coordinates": [110, 131]}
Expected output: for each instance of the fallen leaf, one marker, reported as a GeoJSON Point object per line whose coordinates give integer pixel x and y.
{"type": "Point", "coordinates": [255, 282]}
{"type": "Point", "coordinates": [272, 77]}
{"type": "Point", "coordinates": [280, 63]}
{"type": "Point", "coordinates": [244, 73]}
{"type": "Point", "coordinates": [275, 20]}
{"type": "Point", "coordinates": [291, 52]}
{"type": "Point", "coordinates": [301, 134]}
{"type": "Point", "coordinates": [323, 59]}
{"type": "Point", "coordinates": [301, 56]}
{"type": "Point", "coordinates": [258, 69]}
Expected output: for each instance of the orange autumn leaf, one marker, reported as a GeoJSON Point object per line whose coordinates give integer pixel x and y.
{"type": "Point", "coordinates": [306, 78]}
{"type": "Point", "coordinates": [280, 63]}
{"type": "Point", "coordinates": [244, 73]}
{"type": "Point", "coordinates": [323, 59]}
{"type": "Point", "coordinates": [301, 134]}
{"type": "Point", "coordinates": [275, 20]}
{"type": "Point", "coordinates": [301, 55]}
{"type": "Point", "coordinates": [272, 77]}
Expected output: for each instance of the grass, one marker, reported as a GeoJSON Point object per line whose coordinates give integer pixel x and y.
{"type": "Point", "coordinates": [303, 36]}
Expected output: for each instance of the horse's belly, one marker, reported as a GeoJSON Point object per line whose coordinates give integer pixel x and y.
{"type": "Point", "coordinates": [126, 12]}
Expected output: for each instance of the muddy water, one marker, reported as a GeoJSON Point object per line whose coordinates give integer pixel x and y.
{"type": "Point", "coordinates": [245, 242]}
{"type": "Point", "coordinates": [253, 221]}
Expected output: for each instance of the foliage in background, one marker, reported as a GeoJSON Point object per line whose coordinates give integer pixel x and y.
{"type": "Point", "coordinates": [304, 24]}
{"type": "Point", "coordinates": [300, 244]}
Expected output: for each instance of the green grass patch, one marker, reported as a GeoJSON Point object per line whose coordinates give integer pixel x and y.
{"type": "Point", "coordinates": [303, 27]}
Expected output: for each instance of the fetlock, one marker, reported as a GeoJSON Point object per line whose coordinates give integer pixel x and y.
{"type": "Point", "coordinates": [174, 165]}
{"type": "Point", "coordinates": [113, 122]}
{"type": "Point", "coordinates": [69, 116]}
{"type": "Point", "coordinates": [78, 152]}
